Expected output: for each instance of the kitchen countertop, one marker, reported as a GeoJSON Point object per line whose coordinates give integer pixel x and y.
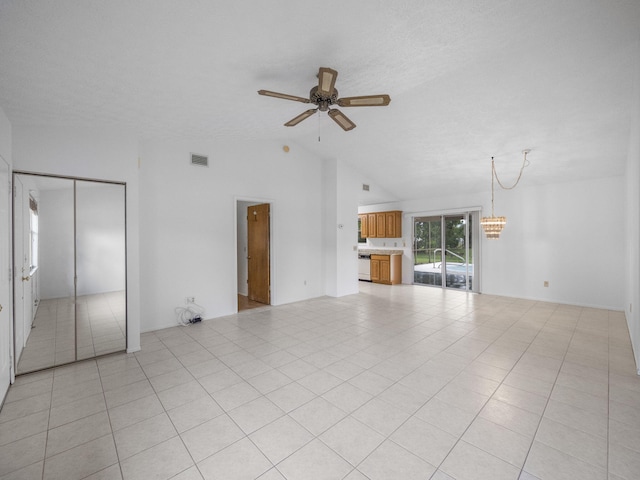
{"type": "Point", "coordinates": [379, 251]}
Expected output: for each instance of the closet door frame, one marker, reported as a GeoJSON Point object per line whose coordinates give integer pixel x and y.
{"type": "Point", "coordinates": [16, 321]}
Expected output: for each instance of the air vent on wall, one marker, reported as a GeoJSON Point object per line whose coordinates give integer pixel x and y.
{"type": "Point", "coordinates": [199, 160]}
{"type": "Point", "coordinates": [365, 187]}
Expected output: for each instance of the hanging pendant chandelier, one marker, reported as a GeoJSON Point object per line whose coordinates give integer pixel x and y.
{"type": "Point", "coordinates": [493, 225]}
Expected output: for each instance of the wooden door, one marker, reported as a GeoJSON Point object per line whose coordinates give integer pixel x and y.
{"type": "Point", "coordinates": [258, 259]}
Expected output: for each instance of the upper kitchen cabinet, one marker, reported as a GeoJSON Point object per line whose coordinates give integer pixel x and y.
{"type": "Point", "coordinates": [393, 224]}
{"type": "Point", "coordinates": [381, 224]}
{"type": "Point", "coordinates": [372, 230]}
{"type": "Point", "coordinates": [364, 226]}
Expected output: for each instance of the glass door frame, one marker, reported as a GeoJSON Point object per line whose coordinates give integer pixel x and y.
{"type": "Point", "coordinates": [472, 246]}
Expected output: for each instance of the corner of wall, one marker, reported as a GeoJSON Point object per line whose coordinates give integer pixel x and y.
{"type": "Point", "coordinates": [632, 292]}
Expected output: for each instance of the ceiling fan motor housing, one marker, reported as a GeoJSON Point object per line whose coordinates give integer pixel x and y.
{"type": "Point", "coordinates": [323, 101]}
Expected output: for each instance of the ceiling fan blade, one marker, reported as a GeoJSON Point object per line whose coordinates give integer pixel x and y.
{"type": "Point", "coordinates": [365, 101]}
{"type": "Point", "coordinates": [326, 81]}
{"type": "Point", "coordinates": [267, 93]}
{"type": "Point", "coordinates": [341, 119]}
{"type": "Point", "coordinates": [303, 116]}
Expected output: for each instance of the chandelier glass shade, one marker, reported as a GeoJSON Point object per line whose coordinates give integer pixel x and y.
{"type": "Point", "coordinates": [492, 226]}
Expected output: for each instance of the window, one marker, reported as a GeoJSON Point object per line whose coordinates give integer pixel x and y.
{"type": "Point", "coordinates": [361, 239]}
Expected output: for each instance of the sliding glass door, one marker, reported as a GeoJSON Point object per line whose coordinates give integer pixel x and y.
{"type": "Point", "coordinates": [443, 250]}
{"type": "Point", "coordinates": [427, 250]}
{"type": "Point", "coordinates": [70, 270]}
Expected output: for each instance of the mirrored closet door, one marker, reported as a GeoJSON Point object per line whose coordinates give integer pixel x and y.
{"type": "Point", "coordinates": [69, 270]}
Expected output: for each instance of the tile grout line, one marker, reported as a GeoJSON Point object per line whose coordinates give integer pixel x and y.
{"type": "Point", "coordinates": [491, 396]}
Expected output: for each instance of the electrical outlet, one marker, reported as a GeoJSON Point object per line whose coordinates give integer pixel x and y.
{"type": "Point", "coordinates": [190, 300]}
{"type": "Point", "coordinates": [546, 283]}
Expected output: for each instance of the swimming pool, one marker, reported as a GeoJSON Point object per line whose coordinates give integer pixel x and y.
{"type": "Point", "coordinates": [431, 274]}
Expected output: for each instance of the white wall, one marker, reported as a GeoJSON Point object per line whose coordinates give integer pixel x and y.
{"type": "Point", "coordinates": [570, 234]}
{"type": "Point", "coordinates": [329, 222]}
{"type": "Point", "coordinates": [632, 258]}
{"type": "Point", "coordinates": [341, 186]}
{"type": "Point", "coordinates": [349, 187]}
{"type": "Point", "coordinates": [105, 154]}
{"type": "Point", "coordinates": [5, 137]}
{"type": "Point", "coordinates": [188, 223]}
{"type": "Point", "coordinates": [99, 243]}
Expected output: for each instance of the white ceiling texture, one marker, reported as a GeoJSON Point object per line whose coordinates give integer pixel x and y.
{"type": "Point", "coordinates": [468, 79]}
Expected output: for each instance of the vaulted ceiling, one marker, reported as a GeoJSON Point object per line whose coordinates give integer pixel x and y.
{"type": "Point", "coordinates": [468, 79]}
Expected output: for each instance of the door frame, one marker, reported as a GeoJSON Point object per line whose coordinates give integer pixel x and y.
{"type": "Point", "coordinates": [272, 240]}
{"type": "Point", "coordinates": [20, 336]}
{"type": "Point", "coordinates": [6, 281]}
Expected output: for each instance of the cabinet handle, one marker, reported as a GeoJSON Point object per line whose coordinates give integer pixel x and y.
{"type": "Point", "coordinates": [26, 279]}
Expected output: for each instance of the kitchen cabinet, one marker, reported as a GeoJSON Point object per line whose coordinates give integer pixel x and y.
{"type": "Point", "coordinates": [371, 225]}
{"type": "Point", "coordinates": [393, 224]}
{"type": "Point", "coordinates": [364, 224]}
{"type": "Point", "coordinates": [381, 230]}
{"type": "Point", "coordinates": [381, 224]}
{"type": "Point", "coordinates": [386, 269]}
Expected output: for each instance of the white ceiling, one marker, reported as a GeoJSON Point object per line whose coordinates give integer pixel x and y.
{"type": "Point", "coordinates": [468, 79]}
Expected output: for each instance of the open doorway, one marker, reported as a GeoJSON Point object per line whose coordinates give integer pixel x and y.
{"type": "Point", "coordinates": [253, 254]}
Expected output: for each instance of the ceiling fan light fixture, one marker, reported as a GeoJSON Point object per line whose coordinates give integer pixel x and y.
{"type": "Point", "coordinates": [327, 80]}
{"type": "Point", "coordinates": [303, 116]}
{"type": "Point", "coordinates": [342, 120]}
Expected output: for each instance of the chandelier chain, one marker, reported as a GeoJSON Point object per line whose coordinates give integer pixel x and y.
{"type": "Point", "coordinates": [525, 163]}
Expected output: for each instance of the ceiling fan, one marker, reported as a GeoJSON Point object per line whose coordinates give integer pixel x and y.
{"type": "Point", "coordinates": [325, 95]}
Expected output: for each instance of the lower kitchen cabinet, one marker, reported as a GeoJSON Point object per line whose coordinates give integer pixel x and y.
{"type": "Point", "coordinates": [386, 269]}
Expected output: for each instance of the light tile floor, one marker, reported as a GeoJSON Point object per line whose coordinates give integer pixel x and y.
{"type": "Point", "coordinates": [100, 329]}
{"type": "Point", "coordinates": [396, 383]}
